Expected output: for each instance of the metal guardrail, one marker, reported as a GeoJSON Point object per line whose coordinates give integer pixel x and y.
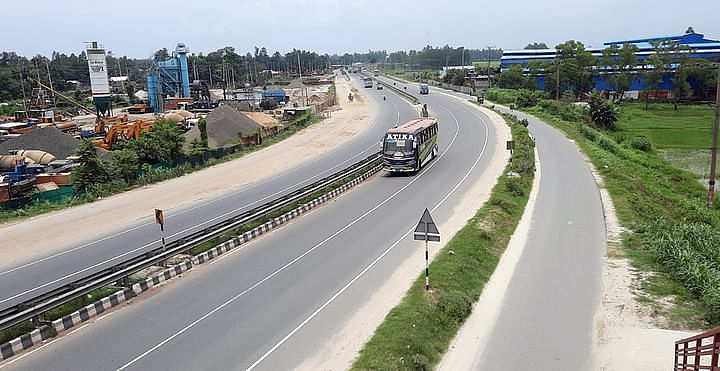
{"type": "Point", "coordinates": [50, 299]}
{"type": "Point", "coordinates": [700, 352]}
{"type": "Point", "coordinates": [401, 92]}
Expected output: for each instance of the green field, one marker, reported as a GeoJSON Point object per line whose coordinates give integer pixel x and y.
{"type": "Point", "coordinates": [690, 127]}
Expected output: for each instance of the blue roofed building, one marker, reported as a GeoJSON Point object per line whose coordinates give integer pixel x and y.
{"type": "Point", "coordinates": [697, 44]}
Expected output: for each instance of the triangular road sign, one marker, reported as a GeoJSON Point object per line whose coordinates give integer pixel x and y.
{"type": "Point", "coordinates": [426, 229]}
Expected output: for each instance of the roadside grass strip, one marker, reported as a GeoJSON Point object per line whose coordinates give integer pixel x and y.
{"type": "Point", "coordinates": [673, 236]}
{"type": "Point", "coordinates": [23, 336]}
{"type": "Point", "coordinates": [416, 333]}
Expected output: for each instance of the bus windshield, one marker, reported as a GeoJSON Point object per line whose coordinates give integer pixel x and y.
{"type": "Point", "coordinates": [394, 145]}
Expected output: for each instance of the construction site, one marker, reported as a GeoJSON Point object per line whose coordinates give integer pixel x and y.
{"type": "Point", "coordinates": [38, 145]}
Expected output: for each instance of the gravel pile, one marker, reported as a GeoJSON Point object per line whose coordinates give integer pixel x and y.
{"type": "Point", "coordinates": [50, 140]}
{"type": "Point", "coordinates": [223, 125]}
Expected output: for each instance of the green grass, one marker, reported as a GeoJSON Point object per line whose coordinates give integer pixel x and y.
{"type": "Point", "coordinates": [416, 333]}
{"type": "Point", "coordinates": [56, 313]}
{"type": "Point", "coordinates": [690, 127]}
{"type": "Point", "coordinates": [664, 209]}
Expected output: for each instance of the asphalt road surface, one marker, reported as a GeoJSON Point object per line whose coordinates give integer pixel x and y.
{"type": "Point", "coordinates": [33, 277]}
{"type": "Point", "coordinates": [546, 318]}
{"type": "Point", "coordinates": [272, 303]}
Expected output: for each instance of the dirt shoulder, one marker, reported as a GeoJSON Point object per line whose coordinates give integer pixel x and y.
{"type": "Point", "coordinates": [340, 351]}
{"type": "Point", "coordinates": [41, 235]}
{"type": "Point", "coordinates": [625, 336]}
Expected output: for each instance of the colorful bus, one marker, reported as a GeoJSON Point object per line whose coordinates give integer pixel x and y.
{"type": "Point", "coordinates": [409, 147]}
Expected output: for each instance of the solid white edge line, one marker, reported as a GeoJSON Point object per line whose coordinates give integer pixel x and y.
{"type": "Point", "coordinates": [337, 294]}
{"type": "Point", "coordinates": [198, 205]}
{"type": "Point", "coordinates": [170, 236]}
{"type": "Point", "coordinates": [184, 329]}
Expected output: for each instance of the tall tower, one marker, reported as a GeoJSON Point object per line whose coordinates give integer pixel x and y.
{"type": "Point", "coordinates": [99, 82]}
{"type": "Point", "coordinates": [181, 53]}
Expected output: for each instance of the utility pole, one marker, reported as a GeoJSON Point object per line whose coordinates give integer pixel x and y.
{"type": "Point", "coordinates": [713, 155]}
{"type": "Point", "coordinates": [299, 67]}
{"type": "Point", "coordinates": [122, 83]}
{"type": "Point", "coordinates": [22, 86]}
{"type": "Point", "coordinates": [47, 66]}
{"type": "Point", "coordinates": [210, 74]}
{"type": "Point", "coordinates": [557, 82]}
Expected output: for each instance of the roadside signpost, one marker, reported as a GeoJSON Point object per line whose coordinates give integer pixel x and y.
{"type": "Point", "coordinates": [160, 219]}
{"type": "Point", "coordinates": [426, 230]}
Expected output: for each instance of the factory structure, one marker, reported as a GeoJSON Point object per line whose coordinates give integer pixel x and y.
{"type": "Point", "coordinates": [99, 81]}
{"type": "Point", "coordinates": [697, 45]}
{"type": "Point", "coordinates": [168, 81]}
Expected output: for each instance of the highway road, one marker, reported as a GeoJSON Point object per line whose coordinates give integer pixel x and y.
{"type": "Point", "coordinates": [275, 301]}
{"type": "Point", "coordinates": [546, 317]}
{"type": "Point", "coordinates": [30, 278]}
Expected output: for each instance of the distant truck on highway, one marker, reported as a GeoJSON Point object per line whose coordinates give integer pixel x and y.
{"type": "Point", "coordinates": [367, 82]}
{"type": "Point", "coordinates": [424, 89]}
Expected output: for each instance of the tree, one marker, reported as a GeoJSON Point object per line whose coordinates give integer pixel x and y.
{"type": "Point", "coordinates": [92, 170]}
{"type": "Point", "coordinates": [202, 126]}
{"type": "Point", "coordinates": [124, 164]}
{"type": "Point", "coordinates": [161, 54]}
{"type": "Point", "coordinates": [653, 76]}
{"type": "Point", "coordinates": [701, 71]}
{"type": "Point", "coordinates": [603, 112]}
{"type": "Point", "coordinates": [163, 144]}
{"type": "Point", "coordinates": [536, 46]}
{"type": "Point", "coordinates": [619, 67]}
{"type": "Point", "coordinates": [573, 64]}
{"type": "Point", "coordinates": [514, 78]}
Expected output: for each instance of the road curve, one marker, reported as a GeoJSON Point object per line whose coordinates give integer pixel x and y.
{"type": "Point", "coordinates": [270, 304]}
{"type": "Point", "coordinates": [545, 319]}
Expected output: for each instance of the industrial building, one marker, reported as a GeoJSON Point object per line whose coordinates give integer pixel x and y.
{"type": "Point", "coordinates": [698, 45]}
{"type": "Point", "coordinates": [168, 80]}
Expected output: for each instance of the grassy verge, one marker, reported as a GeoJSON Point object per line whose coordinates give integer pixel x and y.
{"type": "Point", "coordinates": [150, 177]}
{"type": "Point", "coordinates": [56, 313]}
{"type": "Point", "coordinates": [416, 333]}
{"type": "Point", "coordinates": [673, 237]}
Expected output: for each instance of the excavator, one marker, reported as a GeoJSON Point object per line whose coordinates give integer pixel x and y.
{"type": "Point", "coordinates": [124, 132]}
{"type": "Point", "coordinates": [102, 123]}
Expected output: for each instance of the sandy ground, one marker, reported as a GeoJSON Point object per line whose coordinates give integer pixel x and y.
{"type": "Point", "coordinates": [625, 337]}
{"type": "Point", "coordinates": [339, 352]}
{"type": "Point", "coordinates": [37, 236]}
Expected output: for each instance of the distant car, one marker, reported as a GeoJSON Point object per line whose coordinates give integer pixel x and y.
{"type": "Point", "coordinates": [377, 74]}
{"type": "Point", "coordinates": [379, 87]}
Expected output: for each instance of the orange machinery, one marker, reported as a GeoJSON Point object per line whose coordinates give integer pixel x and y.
{"type": "Point", "coordinates": [124, 132]}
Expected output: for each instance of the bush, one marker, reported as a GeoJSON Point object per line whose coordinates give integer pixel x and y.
{"type": "Point", "coordinates": [455, 305]}
{"type": "Point", "coordinates": [502, 96]}
{"type": "Point", "coordinates": [528, 98]}
{"type": "Point", "coordinates": [641, 143]}
{"type": "Point", "coordinates": [514, 186]}
{"type": "Point", "coordinates": [603, 112]}
{"type": "Point", "coordinates": [565, 111]}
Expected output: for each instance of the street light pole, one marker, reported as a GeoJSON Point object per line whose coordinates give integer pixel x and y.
{"type": "Point", "coordinates": [713, 154]}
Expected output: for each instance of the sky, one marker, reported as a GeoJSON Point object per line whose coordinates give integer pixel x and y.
{"type": "Point", "coordinates": [138, 28]}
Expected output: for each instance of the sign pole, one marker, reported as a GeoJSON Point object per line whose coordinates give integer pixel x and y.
{"type": "Point", "coordinates": [160, 219]}
{"type": "Point", "coordinates": [427, 264]}
{"type": "Point", "coordinates": [162, 236]}
{"type": "Point", "coordinates": [426, 230]}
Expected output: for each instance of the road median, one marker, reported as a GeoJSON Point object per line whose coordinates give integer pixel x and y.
{"type": "Point", "coordinates": [416, 333]}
